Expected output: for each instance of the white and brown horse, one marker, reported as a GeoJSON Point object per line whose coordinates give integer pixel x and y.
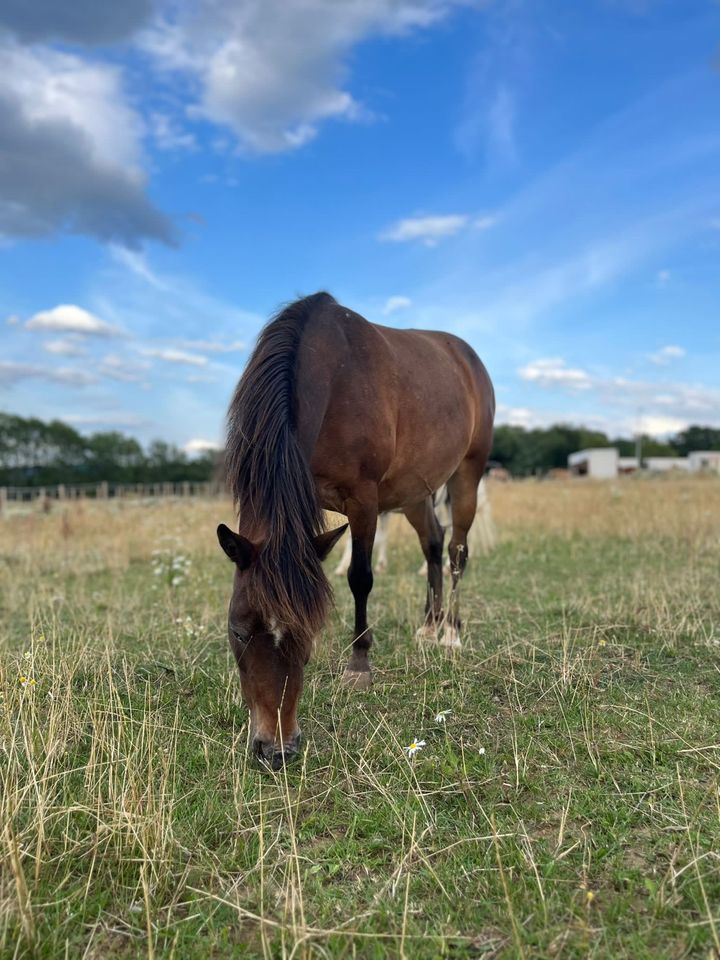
{"type": "Point", "coordinates": [482, 536]}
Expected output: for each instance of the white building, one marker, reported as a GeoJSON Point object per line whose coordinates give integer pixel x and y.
{"type": "Point", "coordinates": [661, 464]}
{"type": "Point", "coordinates": [601, 463]}
{"type": "Point", "coordinates": [704, 460]}
{"type": "Point", "coordinates": [604, 463]}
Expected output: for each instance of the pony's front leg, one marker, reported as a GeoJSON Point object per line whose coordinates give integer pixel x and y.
{"type": "Point", "coordinates": [363, 515]}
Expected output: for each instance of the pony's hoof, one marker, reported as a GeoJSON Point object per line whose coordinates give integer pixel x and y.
{"type": "Point", "coordinates": [426, 634]}
{"type": "Point", "coordinates": [357, 679]}
{"type": "Point", "coordinates": [451, 638]}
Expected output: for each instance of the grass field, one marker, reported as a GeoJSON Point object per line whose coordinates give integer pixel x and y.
{"type": "Point", "coordinates": [567, 807]}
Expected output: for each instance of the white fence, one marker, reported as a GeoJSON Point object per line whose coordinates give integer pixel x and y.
{"type": "Point", "coordinates": [106, 491]}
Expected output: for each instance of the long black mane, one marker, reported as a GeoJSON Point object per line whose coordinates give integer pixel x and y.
{"type": "Point", "coordinates": [270, 477]}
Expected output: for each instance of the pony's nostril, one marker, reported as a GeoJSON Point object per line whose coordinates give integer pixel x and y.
{"type": "Point", "coordinates": [262, 749]}
{"type": "Point", "coordinates": [267, 752]}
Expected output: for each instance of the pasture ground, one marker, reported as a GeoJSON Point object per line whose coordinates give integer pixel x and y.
{"type": "Point", "coordinates": [133, 823]}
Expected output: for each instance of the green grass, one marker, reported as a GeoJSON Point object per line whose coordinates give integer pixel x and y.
{"type": "Point", "coordinates": [134, 823]}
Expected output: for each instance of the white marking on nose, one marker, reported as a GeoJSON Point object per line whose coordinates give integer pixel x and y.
{"type": "Point", "coordinates": [276, 632]}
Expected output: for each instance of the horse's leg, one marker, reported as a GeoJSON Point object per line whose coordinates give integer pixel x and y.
{"type": "Point", "coordinates": [363, 515]}
{"type": "Point", "coordinates": [381, 542]}
{"type": "Point", "coordinates": [430, 533]}
{"type": "Point", "coordinates": [462, 487]}
{"type": "Point", "coordinates": [344, 563]}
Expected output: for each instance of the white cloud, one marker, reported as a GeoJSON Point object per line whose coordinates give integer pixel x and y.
{"type": "Point", "coordinates": [273, 71]}
{"type": "Point", "coordinates": [65, 347]}
{"type": "Point", "coordinates": [517, 416]}
{"type": "Point", "coordinates": [552, 372]}
{"type": "Point", "coordinates": [664, 355]}
{"type": "Point", "coordinates": [71, 144]}
{"type": "Point", "coordinates": [68, 318]}
{"type": "Point", "coordinates": [168, 134]}
{"type": "Point", "coordinates": [431, 229]}
{"type": "Point", "coordinates": [199, 446]}
{"type": "Point", "coordinates": [660, 402]}
{"type": "Point", "coordinates": [658, 426]}
{"type": "Point", "coordinates": [393, 304]}
{"type": "Point", "coordinates": [171, 355]}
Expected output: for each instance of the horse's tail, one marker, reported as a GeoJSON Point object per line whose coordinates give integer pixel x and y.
{"type": "Point", "coordinates": [482, 538]}
{"type": "Point", "coordinates": [270, 477]}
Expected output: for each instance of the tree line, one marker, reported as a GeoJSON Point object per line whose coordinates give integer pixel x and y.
{"type": "Point", "coordinates": [34, 453]}
{"type": "Point", "coordinates": [525, 452]}
{"type": "Point", "coordinates": [38, 453]}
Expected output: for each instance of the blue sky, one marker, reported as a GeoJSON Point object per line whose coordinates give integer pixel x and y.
{"type": "Point", "coordinates": [541, 177]}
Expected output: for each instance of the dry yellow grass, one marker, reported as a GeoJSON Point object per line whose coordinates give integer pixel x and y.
{"type": "Point", "coordinates": [132, 823]}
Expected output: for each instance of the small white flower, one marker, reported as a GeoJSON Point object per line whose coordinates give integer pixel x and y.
{"type": "Point", "coordinates": [442, 716]}
{"type": "Point", "coordinates": [481, 751]}
{"type": "Point", "coordinates": [414, 747]}
{"type": "Point", "coordinates": [28, 655]}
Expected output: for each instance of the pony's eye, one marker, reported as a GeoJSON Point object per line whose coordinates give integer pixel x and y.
{"type": "Point", "coordinates": [243, 638]}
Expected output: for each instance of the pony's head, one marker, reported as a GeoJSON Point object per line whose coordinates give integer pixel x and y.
{"type": "Point", "coordinates": [272, 639]}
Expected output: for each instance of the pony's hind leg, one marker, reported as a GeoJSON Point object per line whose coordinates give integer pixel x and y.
{"type": "Point", "coordinates": [344, 562]}
{"type": "Point", "coordinates": [462, 487]}
{"type": "Point", "coordinates": [430, 533]}
{"type": "Point", "coordinates": [363, 515]}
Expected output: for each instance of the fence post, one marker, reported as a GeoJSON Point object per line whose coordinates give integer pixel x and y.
{"type": "Point", "coordinates": [3, 499]}
{"type": "Point", "coordinates": [61, 491]}
{"type": "Point", "coordinates": [102, 492]}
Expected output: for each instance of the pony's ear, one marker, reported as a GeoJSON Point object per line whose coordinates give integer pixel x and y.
{"type": "Point", "coordinates": [240, 550]}
{"type": "Point", "coordinates": [324, 542]}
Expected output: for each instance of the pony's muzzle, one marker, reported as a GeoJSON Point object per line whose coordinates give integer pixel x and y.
{"type": "Point", "coordinates": [269, 754]}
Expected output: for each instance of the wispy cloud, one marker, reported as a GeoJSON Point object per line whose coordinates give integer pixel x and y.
{"type": "Point", "coordinates": [115, 367]}
{"type": "Point", "coordinates": [553, 372]}
{"type": "Point", "coordinates": [65, 347]}
{"type": "Point", "coordinates": [501, 125]}
{"type": "Point", "coordinates": [215, 346]}
{"type": "Point", "coordinates": [125, 421]}
{"type": "Point", "coordinates": [11, 372]}
{"type": "Point", "coordinates": [431, 229]}
{"type": "Point", "coordinates": [171, 355]}
{"type": "Point", "coordinates": [665, 355]}
{"type": "Point", "coordinates": [169, 135]}
{"type": "Point", "coordinates": [666, 400]}
{"type": "Point", "coordinates": [393, 304]}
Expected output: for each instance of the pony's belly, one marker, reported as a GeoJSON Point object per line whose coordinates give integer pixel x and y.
{"type": "Point", "coordinates": [403, 490]}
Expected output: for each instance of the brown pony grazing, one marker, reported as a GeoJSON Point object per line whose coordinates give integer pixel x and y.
{"type": "Point", "coordinates": [336, 413]}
